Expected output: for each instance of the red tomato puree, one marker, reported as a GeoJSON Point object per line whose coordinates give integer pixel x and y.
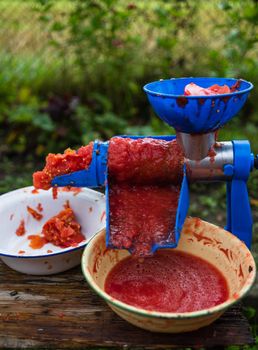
{"type": "Point", "coordinates": [141, 216]}
{"type": "Point", "coordinates": [169, 281]}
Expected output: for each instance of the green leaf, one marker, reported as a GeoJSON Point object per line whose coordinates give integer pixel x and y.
{"type": "Point", "coordinates": [43, 121]}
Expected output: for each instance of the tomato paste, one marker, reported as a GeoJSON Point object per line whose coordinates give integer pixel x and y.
{"type": "Point", "coordinates": [170, 281]}
{"type": "Point", "coordinates": [60, 164]}
{"type": "Point", "coordinates": [196, 90]}
{"type": "Point", "coordinates": [141, 216]}
{"type": "Point", "coordinates": [63, 230]}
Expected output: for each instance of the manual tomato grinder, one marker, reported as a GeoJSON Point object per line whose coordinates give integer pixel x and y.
{"type": "Point", "coordinates": [196, 120]}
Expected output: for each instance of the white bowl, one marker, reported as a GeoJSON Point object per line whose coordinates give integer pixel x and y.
{"type": "Point", "coordinates": [88, 206]}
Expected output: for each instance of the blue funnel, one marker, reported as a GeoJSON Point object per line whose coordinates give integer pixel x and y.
{"type": "Point", "coordinates": [196, 114]}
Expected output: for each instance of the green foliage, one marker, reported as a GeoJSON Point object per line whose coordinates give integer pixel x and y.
{"type": "Point", "coordinates": [101, 52]}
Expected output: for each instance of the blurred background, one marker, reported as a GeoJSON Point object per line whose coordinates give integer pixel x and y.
{"type": "Point", "coordinates": [73, 70]}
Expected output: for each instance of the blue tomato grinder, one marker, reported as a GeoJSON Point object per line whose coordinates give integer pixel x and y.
{"type": "Point", "coordinates": [196, 120]}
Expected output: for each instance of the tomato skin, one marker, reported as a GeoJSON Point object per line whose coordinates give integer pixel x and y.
{"type": "Point", "coordinates": [196, 90]}
{"type": "Point", "coordinates": [218, 89]}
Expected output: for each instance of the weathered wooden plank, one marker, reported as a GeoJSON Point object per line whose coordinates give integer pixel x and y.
{"type": "Point", "coordinates": [61, 312]}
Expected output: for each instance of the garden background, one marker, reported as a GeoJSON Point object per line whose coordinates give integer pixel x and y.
{"type": "Point", "coordinates": [73, 71]}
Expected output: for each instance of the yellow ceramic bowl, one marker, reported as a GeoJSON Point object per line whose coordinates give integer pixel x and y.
{"type": "Point", "coordinates": [199, 238]}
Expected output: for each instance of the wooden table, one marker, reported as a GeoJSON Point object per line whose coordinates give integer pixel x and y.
{"type": "Point", "coordinates": [61, 311]}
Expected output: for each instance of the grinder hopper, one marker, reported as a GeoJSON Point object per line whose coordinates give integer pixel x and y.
{"type": "Point", "coordinates": [196, 118]}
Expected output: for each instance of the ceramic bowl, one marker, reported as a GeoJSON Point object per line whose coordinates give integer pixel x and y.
{"type": "Point", "coordinates": [199, 238]}
{"type": "Point", "coordinates": [88, 206]}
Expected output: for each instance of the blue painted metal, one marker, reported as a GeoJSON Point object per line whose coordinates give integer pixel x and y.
{"type": "Point", "coordinates": [196, 114]}
{"type": "Point", "coordinates": [239, 216]}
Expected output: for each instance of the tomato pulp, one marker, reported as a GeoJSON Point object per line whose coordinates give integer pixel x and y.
{"type": "Point", "coordinates": [144, 189]}
{"type": "Point", "coordinates": [63, 230]}
{"type": "Point", "coordinates": [169, 281]}
{"type": "Point", "coordinates": [141, 216]}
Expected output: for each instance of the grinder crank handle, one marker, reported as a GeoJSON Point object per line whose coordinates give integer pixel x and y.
{"type": "Point", "coordinates": [239, 216]}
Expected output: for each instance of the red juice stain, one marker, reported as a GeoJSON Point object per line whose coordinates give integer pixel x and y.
{"type": "Point", "coordinates": [169, 281]}
{"type": "Point", "coordinates": [103, 215]}
{"type": "Point", "coordinates": [212, 154]}
{"type": "Point", "coordinates": [49, 251]}
{"type": "Point", "coordinates": [39, 207]}
{"type": "Point", "coordinates": [21, 229]}
{"type": "Point", "coordinates": [240, 274]}
{"type": "Point", "coordinates": [36, 241]}
{"type": "Point", "coordinates": [67, 204]}
{"type": "Point", "coordinates": [34, 191]}
{"type": "Point", "coordinates": [21, 252]}
{"type": "Point", "coordinates": [236, 86]}
{"type": "Point", "coordinates": [225, 99]}
{"type": "Point", "coordinates": [75, 190]}
{"type": "Point", "coordinates": [36, 215]}
{"type": "Point", "coordinates": [54, 192]}
{"type": "Point", "coordinates": [182, 101]}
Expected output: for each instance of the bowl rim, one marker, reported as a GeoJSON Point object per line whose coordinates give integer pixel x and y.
{"type": "Point", "coordinates": [165, 315]}
{"type": "Point", "coordinates": [146, 88]}
{"type": "Point", "coordinates": [83, 244]}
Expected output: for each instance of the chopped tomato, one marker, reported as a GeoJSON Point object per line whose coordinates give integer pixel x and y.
{"type": "Point", "coordinates": [36, 241]}
{"type": "Point", "coordinates": [34, 213]}
{"type": "Point", "coordinates": [60, 164]}
{"type": "Point", "coordinates": [63, 230]}
{"type": "Point", "coordinates": [21, 229]}
{"type": "Point", "coordinates": [196, 90]}
{"type": "Point", "coordinates": [220, 89]}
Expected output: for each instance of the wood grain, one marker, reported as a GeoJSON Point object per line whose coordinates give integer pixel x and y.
{"type": "Point", "coordinates": [60, 311]}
